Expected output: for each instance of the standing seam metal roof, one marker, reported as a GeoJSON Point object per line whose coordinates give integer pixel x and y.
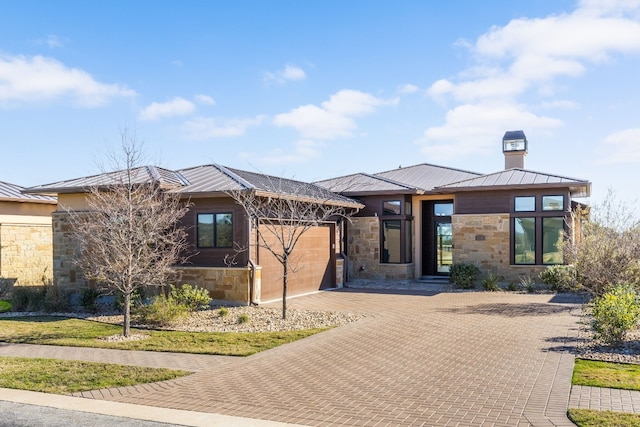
{"type": "Point", "coordinates": [12, 192]}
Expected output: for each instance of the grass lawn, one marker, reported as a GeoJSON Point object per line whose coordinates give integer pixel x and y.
{"type": "Point", "coordinates": [82, 333]}
{"type": "Point", "coordinates": [606, 374]}
{"type": "Point", "coordinates": [594, 373]}
{"type": "Point", "coordinates": [591, 418]}
{"type": "Point", "coordinates": [69, 376]}
{"type": "Point", "coordinates": [4, 306]}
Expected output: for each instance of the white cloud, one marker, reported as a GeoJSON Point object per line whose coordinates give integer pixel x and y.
{"type": "Point", "coordinates": [516, 70]}
{"type": "Point", "coordinates": [303, 151]}
{"type": "Point", "coordinates": [333, 118]}
{"type": "Point", "coordinates": [36, 79]}
{"type": "Point", "coordinates": [161, 110]}
{"type": "Point", "coordinates": [288, 74]}
{"type": "Point", "coordinates": [622, 147]}
{"type": "Point", "coordinates": [474, 129]}
{"type": "Point", "coordinates": [407, 89]}
{"type": "Point", "coordinates": [202, 128]}
{"type": "Point", "coordinates": [52, 41]}
{"type": "Point", "coordinates": [205, 100]}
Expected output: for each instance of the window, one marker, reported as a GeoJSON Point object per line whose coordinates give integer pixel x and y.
{"type": "Point", "coordinates": [215, 230]}
{"type": "Point", "coordinates": [391, 207]}
{"type": "Point", "coordinates": [408, 247]}
{"type": "Point", "coordinates": [391, 241]}
{"type": "Point", "coordinates": [538, 230]}
{"type": "Point", "coordinates": [443, 209]}
{"type": "Point", "coordinates": [525, 204]}
{"type": "Point", "coordinates": [552, 235]}
{"type": "Point", "coordinates": [552, 203]}
{"type": "Point", "coordinates": [525, 241]}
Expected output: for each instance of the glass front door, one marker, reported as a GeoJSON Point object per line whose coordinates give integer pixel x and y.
{"type": "Point", "coordinates": [444, 246]}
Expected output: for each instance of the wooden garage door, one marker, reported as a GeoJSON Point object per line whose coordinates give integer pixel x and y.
{"type": "Point", "coordinates": [314, 266]}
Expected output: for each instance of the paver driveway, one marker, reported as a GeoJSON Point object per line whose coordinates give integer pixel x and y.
{"type": "Point", "coordinates": [461, 358]}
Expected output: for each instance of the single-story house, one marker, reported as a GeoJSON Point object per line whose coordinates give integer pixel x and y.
{"type": "Point", "coordinates": [419, 220]}
{"type": "Point", "coordinates": [26, 246]}
{"type": "Point", "coordinates": [216, 227]}
{"type": "Point", "coordinates": [408, 223]}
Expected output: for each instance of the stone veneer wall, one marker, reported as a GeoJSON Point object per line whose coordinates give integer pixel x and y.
{"type": "Point", "coordinates": [364, 253]}
{"type": "Point", "coordinates": [224, 284]}
{"type": "Point", "coordinates": [65, 248]}
{"type": "Point", "coordinates": [484, 240]}
{"type": "Point", "coordinates": [26, 253]}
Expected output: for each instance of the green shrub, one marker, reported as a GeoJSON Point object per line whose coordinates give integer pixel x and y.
{"type": "Point", "coordinates": [464, 275]}
{"type": "Point", "coordinates": [56, 299]}
{"type": "Point", "coordinates": [560, 278]}
{"type": "Point", "coordinates": [193, 297]}
{"type": "Point", "coordinates": [615, 312]}
{"type": "Point", "coordinates": [28, 298]}
{"type": "Point", "coordinates": [162, 311]}
{"type": "Point", "coordinates": [137, 299]}
{"type": "Point", "coordinates": [528, 283]}
{"type": "Point", "coordinates": [88, 298]}
{"type": "Point", "coordinates": [491, 283]}
{"type": "Point", "coordinates": [243, 318]}
{"type": "Point", "coordinates": [512, 286]}
{"type": "Point", "coordinates": [223, 312]}
{"type": "Point", "coordinates": [4, 306]}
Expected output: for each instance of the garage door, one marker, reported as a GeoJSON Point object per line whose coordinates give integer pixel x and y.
{"type": "Point", "coordinates": [312, 258]}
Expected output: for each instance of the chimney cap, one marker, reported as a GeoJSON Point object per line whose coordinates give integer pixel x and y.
{"type": "Point", "coordinates": [513, 134]}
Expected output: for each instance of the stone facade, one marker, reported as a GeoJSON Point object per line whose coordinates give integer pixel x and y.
{"type": "Point", "coordinates": [65, 272]}
{"type": "Point", "coordinates": [364, 253]}
{"type": "Point", "coordinates": [484, 240]}
{"type": "Point", "coordinates": [26, 253]}
{"type": "Point", "coordinates": [224, 284]}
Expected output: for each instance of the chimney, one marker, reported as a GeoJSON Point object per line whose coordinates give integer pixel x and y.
{"type": "Point", "coordinates": [515, 148]}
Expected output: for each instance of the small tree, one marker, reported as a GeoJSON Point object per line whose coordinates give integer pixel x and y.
{"type": "Point", "coordinates": [285, 213]}
{"type": "Point", "coordinates": [607, 250]}
{"type": "Point", "coordinates": [129, 237]}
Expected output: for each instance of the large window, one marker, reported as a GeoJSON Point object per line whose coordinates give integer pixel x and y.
{"type": "Point", "coordinates": [215, 230]}
{"type": "Point", "coordinates": [396, 232]}
{"type": "Point", "coordinates": [537, 229]}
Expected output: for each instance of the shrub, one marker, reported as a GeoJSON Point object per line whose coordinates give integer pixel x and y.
{"type": "Point", "coordinates": [464, 275]}
{"type": "Point", "coordinates": [243, 318]}
{"type": "Point", "coordinates": [28, 298]}
{"type": "Point", "coordinates": [512, 286]}
{"type": "Point", "coordinates": [88, 298]}
{"type": "Point", "coordinates": [56, 299]}
{"type": "Point", "coordinates": [615, 312]}
{"type": "Point", "coordinates": [193, 297]}
{"type": "Point", "coordinates": [223, 312]}
{"type": "Point", "coordinates": [528, 283]}
{"type": "Point", "coordinates": [5, 287]}
{"type": "Point", "coordinates": [4, 306]}
{"type": "Point", "coordinates": [491, 283]}
{"type": "Point", "coordinates": [162, 311]}
{"type": "Point", "coordinates": [560, 278]}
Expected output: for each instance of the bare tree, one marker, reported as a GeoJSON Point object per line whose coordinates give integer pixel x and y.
{"type": "Point", "coordinates": [129, 237]}
{"type": "Point", "coordinates": [283, 214]}
{"type": "Point", "coordinates": [607, 251]}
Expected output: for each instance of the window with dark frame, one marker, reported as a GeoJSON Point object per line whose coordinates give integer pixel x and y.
{"type": "Point", "coordinates": [396, 232]}
{"type": "Point", "coordinates": [215, 230]}
{"type": "Point", "coordinates": [537, 230]}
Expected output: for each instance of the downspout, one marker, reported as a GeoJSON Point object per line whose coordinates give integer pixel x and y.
{"type": "Point", "coordinates": [252, 275]}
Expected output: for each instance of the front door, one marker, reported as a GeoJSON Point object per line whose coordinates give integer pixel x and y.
{"type": "Point", "coordinates": [443, 245]}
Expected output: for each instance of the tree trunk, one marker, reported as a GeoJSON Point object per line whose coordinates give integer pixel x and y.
{"type": "Point", "coordinates": [126, 324]}
{"type": "Point", "coordinates": [285, 268]}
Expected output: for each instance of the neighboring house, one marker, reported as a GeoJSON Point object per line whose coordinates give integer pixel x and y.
{"type": "Point", "coordinates": [216, 227]}
{"type": "Point", "coordinates": [418, 220]}
{"type": "Point", "coordinates": [26, 252]}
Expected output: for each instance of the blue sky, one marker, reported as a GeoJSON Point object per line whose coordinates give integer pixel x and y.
{"type": "Point", "coordinates": [317, 89]}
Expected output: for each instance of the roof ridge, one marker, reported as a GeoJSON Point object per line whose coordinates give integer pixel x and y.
{"type": "Point", "coordinates": [432, 165]}
{"type": "Point", "coordinates": [234, 176]}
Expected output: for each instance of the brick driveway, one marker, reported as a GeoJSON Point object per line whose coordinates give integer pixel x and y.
{"type": "Point", "coordinates": [462, 358]}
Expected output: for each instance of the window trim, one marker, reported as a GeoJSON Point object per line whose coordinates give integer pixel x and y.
{"type": "Point", "coordinates": [214, 231]}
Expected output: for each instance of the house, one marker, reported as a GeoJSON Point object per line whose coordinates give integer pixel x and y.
{"type": "Point", "coordinates": [25, 236]}
{"type": "Point", "coordinates": [217, 226]}
{"type": "Point", "coordinates": [419, 220]}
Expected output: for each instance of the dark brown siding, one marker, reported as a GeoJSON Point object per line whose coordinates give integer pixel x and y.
{"type": "Point", "coordinates": [488, 202]}
{"type": "Point", "coordinates": [214, 257]}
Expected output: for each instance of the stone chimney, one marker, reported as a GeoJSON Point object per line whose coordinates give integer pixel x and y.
{"type": "Point", "coordinates": [515, 148]}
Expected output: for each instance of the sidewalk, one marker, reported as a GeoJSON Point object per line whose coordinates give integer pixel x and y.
{"type": "Point", "coordinates": [604, 399]}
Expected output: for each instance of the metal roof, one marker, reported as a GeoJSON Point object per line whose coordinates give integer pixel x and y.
{"type": "Point", "coordinates": [139, 175]}
{"type": "Point", "coordinates": [205, 180]}
{"type": "Point", "coordinates": [13, 193]}
{"type": "Point", "coordinates": [516, 177]}
{"type": "Point", "coordinates": [426, 176]}
{"type": "Point", "coordinates": [361, 183]}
